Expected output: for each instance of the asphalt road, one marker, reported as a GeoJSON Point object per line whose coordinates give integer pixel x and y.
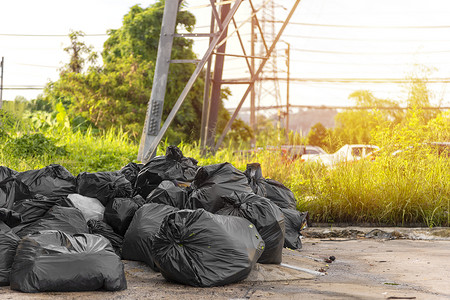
{"type": "Point", "coordinates": [413, 265]}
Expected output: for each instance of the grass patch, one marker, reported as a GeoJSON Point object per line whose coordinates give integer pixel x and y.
{"type": "Point", "coordinates": [397, 191]}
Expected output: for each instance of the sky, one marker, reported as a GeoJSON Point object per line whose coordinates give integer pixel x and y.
{"type": "Point", "coordinates": [329, 39]}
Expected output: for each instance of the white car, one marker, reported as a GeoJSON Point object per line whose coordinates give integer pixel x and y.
{"type": "Point", "coordinates": [347, 153]}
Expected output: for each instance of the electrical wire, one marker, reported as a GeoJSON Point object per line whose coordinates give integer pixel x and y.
{"type": "Point", "coordinates": [365, 26]}
{"type": "Point", "coordinates": [368, 53]}
{"type": "Point", "coordinates": [48, 35]}
{"type": "Point", "coordinates": [362, 64]}
{"type": "Point", "coordinates": [358, 39]}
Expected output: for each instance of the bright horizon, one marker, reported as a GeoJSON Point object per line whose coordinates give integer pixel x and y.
{"type": "Point", "coordinates": [382, 39]}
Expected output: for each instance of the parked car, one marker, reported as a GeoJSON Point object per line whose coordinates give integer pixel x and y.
{"type": "Point", "coordinates": [348, 153]}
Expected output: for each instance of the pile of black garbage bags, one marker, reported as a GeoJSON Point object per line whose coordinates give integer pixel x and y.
{"type": "Point", "coordinates": [200, 226]}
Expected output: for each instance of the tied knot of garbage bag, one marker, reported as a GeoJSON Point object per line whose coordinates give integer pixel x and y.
{"type": "Point", "coordinates": [173, 152]}
{"type": "Point", "coordinates": [213, 182]}
{"type": "Point", "coordinates": [254, 171]}
{"type": "Point", "coordinates": [131, 171]}
{"type": "Point", "coordinates": [273, 190]}
{"type": "Point", "coordinates": [172, 166]}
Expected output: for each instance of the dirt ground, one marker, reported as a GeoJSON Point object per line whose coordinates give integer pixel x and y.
{"type": "Point", "coordinates": [391, 263]}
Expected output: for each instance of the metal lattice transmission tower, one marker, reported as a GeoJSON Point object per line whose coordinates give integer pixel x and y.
{"type": "Point", "coordinates": [269, 91]}
{"type": "Point", "coordinates": [224, 26]}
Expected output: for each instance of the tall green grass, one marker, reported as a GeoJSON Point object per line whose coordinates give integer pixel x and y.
{"type": "Point", "coordinates": [403, 190]}
{"type": "Point", "coordinates": [84, 151]}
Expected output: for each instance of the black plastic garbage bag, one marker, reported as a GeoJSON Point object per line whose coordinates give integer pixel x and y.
{"type": "Point", "coordinates": [10, 217]}
{"type": "Point", "coordinates": [170, 194]}
{"type": "Point", "coordinates": [138, 240]}
{"type": "Point", "coordinates": [103, 185]}
{"type": "Point", "coordinates": [100, 227]}
{"type": "Point", "coordinates": [33, 209]}
{"type": "Point", "coordinates": [53, 180]}
{"type": "Point", "coordinates": [273, 190]}
{"type": "Point", "coordinates": [131, 171]}
{"type": "Point", "coordinates": [4, 227]}
{"type": "Point", "coordinates": [172, 166]}
{"type": "Point", "coordinates": [266, 216]}
{"type": "Point", "coordinates": [119, 212]}
{"type": "Point", "coordinates": [63, 201]}
{"type": "Point", "coordinates": [8, 246]}
{"type": "Point", "coordinates": [280, 194]}
{"type": "Point", "coordinates": [215, 181]}
{"type": "Point", "coordinates": [139, 200]}
{"type": "Point", "coordinates": [67, 219]}
{"type": "Point", "coordinates": [188, 164]}
{"type": "Point", "coordinates": [6, 172]}
{"type": "Point", "coordinates": [12, 189]}
{"type": "Point", "coordinates": [199, 248]}
{"type": "Point", "coordinates": [255, 178]}
{"type": "Point", "coordinates": [295, 221]}
{"type": "Point", "coordinates": [54, 261]}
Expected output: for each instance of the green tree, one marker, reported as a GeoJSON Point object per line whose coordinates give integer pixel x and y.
{"type": "Point", "coordinates": [77, 50]}
{"type": "Point", "coordinates": [117, 93]}
{"type": "Point", "coordinates": [419, 95]}
{"type": "Point", "coordinates": [318, 135]}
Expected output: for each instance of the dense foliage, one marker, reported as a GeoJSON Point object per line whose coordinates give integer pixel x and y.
{"type": "Point", "coordinates": [117, 93]}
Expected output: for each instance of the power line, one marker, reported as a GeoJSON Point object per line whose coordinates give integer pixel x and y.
{"type": "Point", "coordinates": [351, 39]}
{"type": "Point", "coordinates": [342, 80]}
{"type": "Point", "coordinates": [329, 107]}
{"type": "Point", "coordinates": [48, 35]}
{"type": "Point", "coordinates": [358, 39]}
{"type": "Point", "coordinates": [368, 53]}
{"type": "Point", "coordinates": [362, 64]}
{"type": "Point", "coordinates": [362, 80]}
{"type": "Point", "coordinates": [23, 88]}
{"type": "Point", "coordinates": [367, 26]}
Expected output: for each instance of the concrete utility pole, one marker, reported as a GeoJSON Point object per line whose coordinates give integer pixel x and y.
{"type": "Point", "coordinates": [1, 83]}
{"type": "Point", "coordinates": [155, 106]}
{"type": "Point", "coordinates": [288, 79]}
{"type": "Point", "coordinates": [253, 92]}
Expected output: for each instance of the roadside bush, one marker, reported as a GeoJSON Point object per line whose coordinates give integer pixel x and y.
{"type": "Point", "coordinates": [33, 145]}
